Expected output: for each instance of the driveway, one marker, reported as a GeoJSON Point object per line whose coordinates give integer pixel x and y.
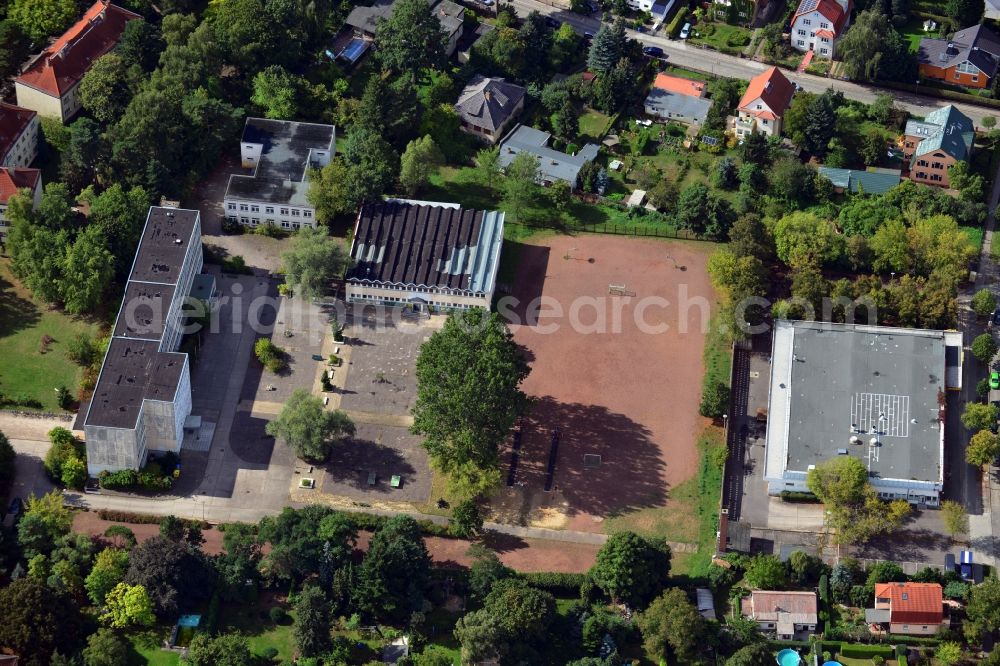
{"type": "Point", "coordinates": [30, 478]}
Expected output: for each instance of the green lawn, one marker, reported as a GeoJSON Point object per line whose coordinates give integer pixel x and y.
{"type": "Point", "coordinates": [593, 125]}
{"type": "Point", "coordinates": [146, 645]}
{"type": "Point", "coordinates": [975, 235]}
{"type": "Point", "coordinates": [26, 370]}
{"type": "Point", "coordinates": [913, 32]}
{"type": "Point", "coordinates": [253, 622]}
{"type": "Point", "coordinates": [722, 37]}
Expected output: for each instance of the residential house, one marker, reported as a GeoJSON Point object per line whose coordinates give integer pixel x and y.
{"type": "Point", "coordinates": [142, 400]}
{"type": "Point", "coordinates": [913, 609]}
{"type": "Point", "coordinates": [12, 181]}
{"type": "Point", "coordinates": [488, 105]}
{"type": "Point", "coordinates": [364, 20]}
{"type": "Point", "coordinates": [50, 82]}
{"type": "Point", "coordinates": [553, 165]}
{"type": "Point", "coordinates": [787, 615]}
{"type": "Point", "coordinates": [659, 9]}
{"type": "Point", "coordinates": [425, 256]}
{"type": "Point", "coordinates": [871, 181]}
{"type": "Point", "coordinates": [817, 25]}
{"type": "Point", "coordinates": [970, 58]}
{"type": "Point", "coordinates": [678, 99]}
{"type": "Point", "coordinates": [930, 146]}
{"type": "Point", "coordinates": [763, 105]}
{"type": "Point", "coordinates": [738, 12]}
{"type": "Point", "coordinates": [280, 152]}
{"type": "Point", "coordinates": [18, 136]}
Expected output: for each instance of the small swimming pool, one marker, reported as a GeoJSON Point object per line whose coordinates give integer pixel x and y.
{"type": "Point", "coordinates": [788, 657]}
{"type": "Point", "coordinates": [832, 663]}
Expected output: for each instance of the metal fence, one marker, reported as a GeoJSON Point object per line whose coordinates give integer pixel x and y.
{"type": "Point", "coordinates": [619, 230]}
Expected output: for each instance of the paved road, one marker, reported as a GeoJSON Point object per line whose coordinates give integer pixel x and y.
{"type": "Point", "coordinates": [689, 56]}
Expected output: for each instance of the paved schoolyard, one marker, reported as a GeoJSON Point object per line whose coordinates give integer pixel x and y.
{"type": "Point", "coordinates": [614, 383]}
{"type": "Point", "coordinates": [386, 451]}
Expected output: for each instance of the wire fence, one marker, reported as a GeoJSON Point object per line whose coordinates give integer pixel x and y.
{"type": "Point", "coordinates": [642, 230]}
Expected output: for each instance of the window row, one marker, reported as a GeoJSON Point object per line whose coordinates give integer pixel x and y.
{"type": "Point", "coordinates": [269, 210]}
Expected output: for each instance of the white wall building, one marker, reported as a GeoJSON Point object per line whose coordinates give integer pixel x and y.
{"type": "Point", "coordinates": [13, 181]}
{"type": "Point", "coordinates": [871, 392]}
{"type": "Point", "coordinates": [280, 152]}
{"type": "Point", "coordinates": [18, 136]}
{"type": "Point", "coordinates": [817, 25]}
{"type": "Point", "coordinates": [143, 393]}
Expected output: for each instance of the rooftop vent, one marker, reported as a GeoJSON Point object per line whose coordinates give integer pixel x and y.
{"type": "Point", "coordinates": [177, 241]}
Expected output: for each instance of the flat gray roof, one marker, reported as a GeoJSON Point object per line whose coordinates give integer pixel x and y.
{"type": "Point", "coordinates": [133, 371]}
{"type": "Point", "coordinates": [670, 105]}
{"type": "Point", "coordinates": [144, 311]}
{"type": "Point", "coordinates": [834, 381]}
{"type": "Point", "coordinates": [164, 243]}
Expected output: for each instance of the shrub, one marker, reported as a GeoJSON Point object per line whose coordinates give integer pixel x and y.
{"type": "Point", "coordinates": [270, 355]}
{"type": "Point", "coordinates": [559, 584]}
{"type": "Point", "coordinates": [797, 497]}
{"type": "Point", "coordinates": [984, 302]}
{"type": "Point", "coordinates": [81, 349]}
{"type": "Point", "coordinates": [277, 614]}
{"type": "Point", "coordinates": [325, 383]}
{"type": "Point", "coordinates": [144, 518]}
{"type": "Point", "coordinates": [123, 478]}
{"type": "Point", "coordinates": [714, 400]}
{"type": "Point", "coordinates": [64, 446]}
{"type": "Point", "coordinates": [235, 265]}
{"type": "Point", "coordinates": [984, 348]}
{"type": "Point", "coordinates": [852, 651]}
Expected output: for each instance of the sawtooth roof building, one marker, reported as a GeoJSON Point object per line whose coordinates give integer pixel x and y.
{"type": "Point", "coordinates": [143, 394]}
{"type": "Point", "coordinates": [425, 256]}
{"type": "Point", "coordinates": [280, 152]}
{"type": "Point", "coordinates": [872, 392]}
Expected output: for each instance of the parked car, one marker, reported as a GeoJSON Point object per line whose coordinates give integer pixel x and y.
{"type": "Point", "coordinates": [994, 380]}
{"type": "Point", "coordinates": [552, 23]}
{"type": "Point", "coordinates": [996, 317]}
{"type": "Point", "coordinates": [588, 36]}
{"type": "Point", "coordinates": [686, 31]}
{"type": "Point", "coordinates": [653, 51]}
{"type": "Point", "coordinates": [13, 512]}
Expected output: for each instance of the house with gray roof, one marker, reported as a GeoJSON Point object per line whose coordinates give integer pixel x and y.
{"type": "Point", "coordinates": [969, 59]}
{"type": "Point", "coordinates": [280, 153]}
{"type": "Point", "coordinates": [488, 105]}
{"type": "Point", "coordinates": [670, 105]}
{"type": "Point", "coordinates": [365, 20]}
{"type": "Point", "coordinates": [871, 181]}
{"type": "Point", "coordinates": [932, 145]}
{"type": "Point", "coordinates": [553, 165]}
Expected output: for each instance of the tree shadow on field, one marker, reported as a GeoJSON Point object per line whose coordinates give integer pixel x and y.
{"type": "Point", "coordinates": [503, 543]}
{"type": "Point", "coordinates": [532, 265]}
{"type": "Point", "coordinates": [629, 476]}
{"type": "Point", "coordinates": [16, 313]}
{"type": "Point", "coordinates": [905, 545]}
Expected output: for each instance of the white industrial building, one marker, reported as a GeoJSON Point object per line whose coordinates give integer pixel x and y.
{"type": "Point", "coordinates": [280, 152]}
{"type": "Point", "coordinates": [428, 257]}
{"type": "Point", "coordinates": [143, 393]}
{"type": "Point", "coordinates": [872, 392]}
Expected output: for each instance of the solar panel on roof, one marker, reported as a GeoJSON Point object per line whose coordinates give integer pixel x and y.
{"type": "Point", "coordinates": [808, 6]}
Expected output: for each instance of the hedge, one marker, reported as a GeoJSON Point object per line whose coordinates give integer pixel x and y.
{"type": "Point", "coordinates": [856, 651]}
{"type": "Point", "coordinates": [942, 93]}
{"type": "Point", "coordinates": [557, 583]}
{"type": "Point", "coordinates": [674, 29]}
{"type": "Point", "coordinates": [144, 518]}
{"type": "Point", "coordinates": [798, 497]}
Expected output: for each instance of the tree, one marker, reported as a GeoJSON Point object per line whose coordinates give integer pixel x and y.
{"type": "Point", "coordinates": [560, 194]}
{"type": "Point", "coordinates": [802, 237]}
{"type": "Point", "coordinates": [948, 653]}
{"type": "Point", "coordinates": [984, 348]}
{"type": "Point", "coordinates": [172, 528]}
{"type": "Point", "coordinates": [419, 162]}
{"type": "Point", "coordinates": [39, 19]}
{"type": "Point", "coordinates": [7, 457]}
{"type": "Point", "coordinates": [328, 192]}
{"type": "Point", "coordinates": [14, 48]}
{"type": "Point", "coordinates": [374, 165]}
{"type": "Point", "coordinates": [104, 89]}
{"type": "Point", "coordinates": [757, 654]}
{"type": "Point", "coordinates": [468, 394]}
{"type": "Point", "coordinates": [672, 624]}
{"type": "Point", "coordinates": [820, 122]}
{"type": "Point", "coordinates": [276, 92]}
{"type": "Point", "coordinates": [108, 571]}
{"type": "Point", "coordinates": [972, 186]}
{"type": "Point", "coordinates": [962, 12]}
{"type": "Point", "coordinates": [395, 572]}
{"type": "Point", "coordinates": [755, 149]}
{"type": "Point", "coordinates": [312, 622]}
{"type": "Point", "coordinates": [127, 606]}
{"type": "Point", "coordinates": [308, 428]}
{"type": "Point", "coordinates": [983, 609]}
{"type": "Point", "coordinates": [984, 303]}
{"type": "Point", "coordinates": [983, 448]}
{"type": "Point", "coordinates": [36, 620]}
{"type": "Point", "coordinates": [978, 416]}
{"type": "Point", "coordinates": [120, 537]}
{"type": "Point", "coordinates": [466, 520]}
{"type": "Point", "coordinates": [411, 39]}
{"type": "Point", "coordinates": [87, 270]}
{"type": "Point", "coordinates": [838, 481]}
{"type": "Point", "coordinates": [45, 519]}
{"type": "Point", "coordinates": [224, 650]}
{"type": "Point", "coordinates": [105, 648]}
{"type": "Point", "coordinates": [140, 45]}
{"type": "Point", "coordinates": [74, 473]}
{"type": "Point", "coordinates": [861, 49]}
{"type": "Point", "coordinates": [312, 260]}
{"type": "Point", "coordinates": [82, 153]}
{"type": "Point", "coordinates": [704, 212]}
{"type": "Point", "coordinates": [485, 571]}
{"type": "Point", "coordinates": [521, 183]}
{"type": "Point", "coordinates": [885, 572]}
{"type": "Point", "coordinates": [488, 165]}
{"type": "Point", "coordinates": [169, 572]}
{"type": "Point", "coordinates": [521, 611]}
{"type": "Point", "coordinates": [714, 400]}
{"type": "Point", "coordinates": [37, 254]}
{"type": "Point", "coordinates": [955, 518]}
{"type": "Point", "coordinates": [119, 214]}
{"type": "Point", "coordinates": [766, 572]}
{"type": "Point", "coordinates": [607, 47]}
{"type": "Point", "coordinates": [631, 568]}
{"type": "Point", "coordinates": [480, 635]}
{"type": "Point", "coordinates": [807, 570]}
{"type": "Point", "coordinates": [615, 87]}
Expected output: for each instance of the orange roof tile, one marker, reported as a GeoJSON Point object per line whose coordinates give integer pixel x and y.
{"type": "Point", "coordinates": [66, 60]}
{"type": "Point", "coordinates": [912, 603]}
{"type": "Point", "coordinates": [773, 88]}
{"type": "Point", "coordinates": [681, 86]}
{"type": "Point", "coordinates": [825, 33]}
{"type": "Point", "coordinates": [11, 180]}
{"type": "Point", "coordinates": [13, 120]}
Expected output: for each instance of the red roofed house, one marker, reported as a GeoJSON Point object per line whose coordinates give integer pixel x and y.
{"type": "Point", "coordinates": [49, 83]}
{"type": "Point", "coordinates": [818, 24]}
{"type": "Point", "coordinates": [786, 615]}
{"type": "Point", "coordinates": [11, 181]}
{"type": "Point", "coordinates": [764, 103]}
{"type": "Point", "coordinates": [18, 136]}
{"type": "Point", "coordinates": [914, 609]}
